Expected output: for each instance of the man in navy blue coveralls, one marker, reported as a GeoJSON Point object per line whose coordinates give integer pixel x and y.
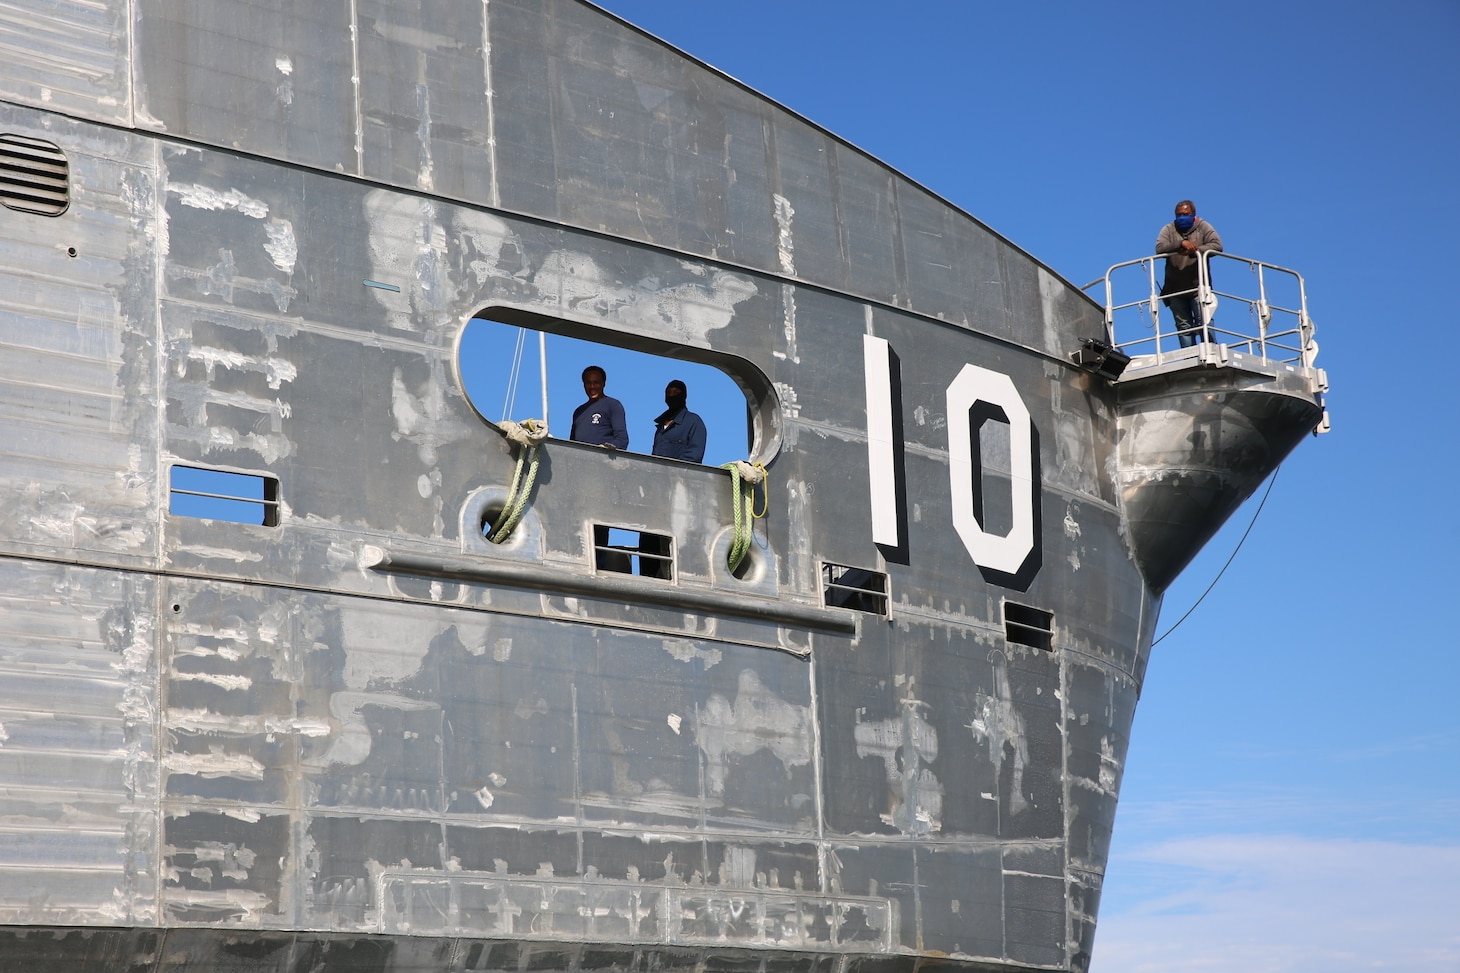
{"type": "Point", "coordinates": [678, 434]}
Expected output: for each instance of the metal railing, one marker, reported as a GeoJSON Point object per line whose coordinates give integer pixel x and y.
{"type": "Point", "coordinates": [1278, 327]}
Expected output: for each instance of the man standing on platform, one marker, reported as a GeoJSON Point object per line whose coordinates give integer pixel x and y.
{"type": "Point", "coordinates": [1181, 242]}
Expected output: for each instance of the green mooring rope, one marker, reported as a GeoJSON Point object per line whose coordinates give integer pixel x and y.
{"type": "Point", "coordinates": [529, 435]}
{"type": "Point", "coordinates": [743, 478]}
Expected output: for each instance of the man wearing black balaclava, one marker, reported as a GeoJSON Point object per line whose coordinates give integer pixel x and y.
{"type": "Point", "coordinates": [678, 432]}
{"type": "Point", "coordinates": [1180, 242]}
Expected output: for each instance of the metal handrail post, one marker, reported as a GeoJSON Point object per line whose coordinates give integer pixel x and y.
{"type": "Point", "coordinates": [1149, 263]}
{"type": "Point", "coordinates": [1305, 327]}
{"type": "Point", "coordinates": [1203, 295]}
{"type": "Point", "coordinates": [1264, 311]}
{"type": "Point", "coordinates": [1109, 310]}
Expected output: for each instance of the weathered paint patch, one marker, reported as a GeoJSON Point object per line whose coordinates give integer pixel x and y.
{"type": "Point", "coordinates": [785, 244]}
{"type": "Point", "coordinates": [239, 766]}
{"type": "Point", "coordinates": [756, 720]}
{"type": "Point", "coordinates": [282, 248]}
{"type": "Point", "coordinates": [423, 416]}
{"type": "Point", "coordinates": [685, 312]}
{"type": "Point", "coordinates": [352, 738]}
{"type": "Point", "coordinates": [206, 197]}
{"type": "Point", "coordinates": [232, 683]}
{"type": "Point", "coordinates": [998, 723]}
{"type": "Point", "coordinates": [906, 745]}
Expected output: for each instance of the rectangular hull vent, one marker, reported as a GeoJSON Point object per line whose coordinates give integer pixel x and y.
{"type": "Point", "coordinates": [34, 176]}
{"type": "Point", "coordinates": [1028, 626]}
{"type": "Point", "coordinates": [855, 588]}
{"type": "Point", "coordinates": [623, 551]}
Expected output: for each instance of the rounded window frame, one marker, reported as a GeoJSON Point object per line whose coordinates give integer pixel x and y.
{"type": "Point", "coordinates": [762, 401]}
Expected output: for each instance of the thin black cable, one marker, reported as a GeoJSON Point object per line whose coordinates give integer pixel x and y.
{"type": "Point", "coordinates": [1193, 608]}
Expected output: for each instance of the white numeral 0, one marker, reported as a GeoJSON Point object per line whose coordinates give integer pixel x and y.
{"type": "Point", "coordinates": [976, 385]}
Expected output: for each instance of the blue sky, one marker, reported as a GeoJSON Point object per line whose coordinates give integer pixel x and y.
{"type": "Point", "coordinates": [1291, 801]}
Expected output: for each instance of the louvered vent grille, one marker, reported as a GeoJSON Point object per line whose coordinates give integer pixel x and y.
{"type": "Point", "coordinates": [34, 176]}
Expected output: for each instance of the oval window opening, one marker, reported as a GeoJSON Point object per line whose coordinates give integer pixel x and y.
{"type": "Point", "coordinates": [502, 373]}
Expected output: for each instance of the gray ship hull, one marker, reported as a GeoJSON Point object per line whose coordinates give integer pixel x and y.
{"type": "Point", "coordinates": [359, 736]}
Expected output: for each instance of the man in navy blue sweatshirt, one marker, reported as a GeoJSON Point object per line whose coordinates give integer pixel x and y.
{"type": "Point", "coordinates": [599, 421]}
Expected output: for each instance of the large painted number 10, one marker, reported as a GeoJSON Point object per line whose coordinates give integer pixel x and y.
{"type": "Point", "coordinates": [976, 396]}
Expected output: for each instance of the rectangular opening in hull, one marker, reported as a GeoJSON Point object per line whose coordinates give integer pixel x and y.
{"type": "Point", "coordinates": [1028, 626]}
{"type": "Point", "coordinates": [855, 588]}
{"type": "Point", "coordinates": [618, 550]}
{"type": "Point", "coordinates": [239, 498]}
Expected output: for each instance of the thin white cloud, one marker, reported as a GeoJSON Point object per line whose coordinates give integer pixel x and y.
{"type": "Point", "coordinates": [1280, 904]}
{"type": "Point", "coordinates": [1407, 819]}
{"type": "Point", "coordinates": [1445, 743]}
{"type": "Point", "coordinates": [1256, 808]}
{"type": "Point", "coordinates": [1440, 741]}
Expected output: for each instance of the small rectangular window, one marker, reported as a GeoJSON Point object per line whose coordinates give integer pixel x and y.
{"type": "Point", "coordinates": [239, 498]}
{"type": "Point", "coordinates": [1028, 626]}
{"type": "Point", "coordinates": [623, 551]}
{"type": "Point", "coordinates": [855, 588]}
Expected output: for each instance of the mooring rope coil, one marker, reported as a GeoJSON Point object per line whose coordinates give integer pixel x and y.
{"type": "Point", "coordinates": [744, 475]}
{"type": "Point", "coordinates": [528, 435]}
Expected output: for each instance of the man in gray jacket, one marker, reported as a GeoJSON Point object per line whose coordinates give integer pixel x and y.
{"type": "Point", "coordinates": [1180, 241]}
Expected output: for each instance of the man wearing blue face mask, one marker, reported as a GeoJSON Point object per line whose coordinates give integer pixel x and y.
{"type": "Point", "coordinates": [1180, 242]}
